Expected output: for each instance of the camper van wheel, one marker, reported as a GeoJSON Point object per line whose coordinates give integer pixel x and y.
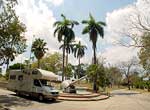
{"type": "Point", "coordinates": [53, 99]}
{"type": "Point", "coordinates": [18, 93]}
{"type": "Point", "coordinates": [41, 97]}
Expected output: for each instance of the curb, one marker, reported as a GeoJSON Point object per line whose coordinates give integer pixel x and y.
{"type": "Point", "coordinates": [79, 95]}
{"type": "Point", "coordinates": [83, 99]}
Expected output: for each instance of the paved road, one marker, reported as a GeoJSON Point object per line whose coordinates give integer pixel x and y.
{"type": "Point", "coordinates": [120, 100]}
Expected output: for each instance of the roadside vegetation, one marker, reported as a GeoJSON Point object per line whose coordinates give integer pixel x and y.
{"type": "Point", "coordinates": [100, 74]}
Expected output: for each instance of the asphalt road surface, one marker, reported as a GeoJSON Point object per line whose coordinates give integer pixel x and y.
{"type": "Point", "coordinates": [120, 100]}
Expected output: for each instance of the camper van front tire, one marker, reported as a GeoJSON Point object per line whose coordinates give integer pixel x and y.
{"type": "Point", "coordinates": [53, 99]}
{"type": "Point", "coordinates": [18, 93]}
{"type": "Point", "coordinates": [41, 97]}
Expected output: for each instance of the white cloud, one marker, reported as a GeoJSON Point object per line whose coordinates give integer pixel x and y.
{"type": "Point", "coordinates": [118, 22]}
{"type": "Point", "coordinates": [117, 54]}
{"type": "Point", "coordinates": [77, 39]}
{"type": "Point", "coordinates": [122, 20]}
{"type": "Point", "coordinates": [55, 2]}
{"type": "Point", "coordinates": [20, 59]}
{"type": "Point", "coordinates": [39, 19]}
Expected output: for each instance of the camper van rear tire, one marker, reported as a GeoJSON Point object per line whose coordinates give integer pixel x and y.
{"type": "Point", "coordinates": [41, 97]}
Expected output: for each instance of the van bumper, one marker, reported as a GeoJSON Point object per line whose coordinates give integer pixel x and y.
{"type": "Point", "coordinates": [51, 96]}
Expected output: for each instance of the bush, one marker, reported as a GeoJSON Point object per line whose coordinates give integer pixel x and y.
{"type": "Point", "coordinates": [6, 76]}
{"type": "Point", "coordinates": [1, 75]}
{"type": "Point", "coordinates": [142, 85]}
{"type": "Point", "coordinates": [148, 85]}
{"type": "Point", "coordinates": [96, 74]}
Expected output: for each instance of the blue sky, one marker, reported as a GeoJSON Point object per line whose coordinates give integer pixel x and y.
{"type": "Point", "coordinates": [36, 14]}
{"type": "Point", "coordinates": [79, 9]}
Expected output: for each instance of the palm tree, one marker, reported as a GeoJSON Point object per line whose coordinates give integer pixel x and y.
{"type": "Point", "coordinates": [38, 48]}
{"type": "Point", "coordinates": [65, 34]}
{"type": "Point", "coordinates": [93, 28]}
{"type": "Point", "coordinates": [79, 52]}
{"type": "Point", "coordinates": [68, 48]}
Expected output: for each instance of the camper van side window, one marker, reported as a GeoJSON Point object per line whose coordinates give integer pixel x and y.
{"type": "Point", "coordinates": [37, 83]}
{"type": "Point", "coordinates": [13, 77]}
{"type": "Point", "coordinates": [34, 72]}
{"type": "Point", "coordinates": [20, 77]}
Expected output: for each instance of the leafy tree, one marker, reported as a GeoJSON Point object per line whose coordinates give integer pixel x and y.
{"type": "Point", "coordinates": [114, 75]}
{"type": "Point", "coordinates": [27, 64]}
{"type": "Point", "coordinates": [68, 70]}
{"type": "Point", "coordinates": [17, 66]}
{"type": "Point", "coordinates": [135, 78]}
{"type": "Point", "coordinates": [51, 62]}
{"type": "Point", "coordinates": [94, 29]}
{"type": "Point", "coordinates": [1, 72]}
{"type": "Point", "coordinates": [65, 34]}
{"type": "Point", "coordinates": [127, 67]}
{"type": "Point", "coordinates": [144, 54]}
{"type": "Point", "coordinates": [98, 71]}
{"type": "Point", "coordinates": [79, 72]}
{"type": "Point", "coordinates": [79, 52]}
{"type": "Point", "coordinates": [12, 31]}
{"type": "Point", "coordinates": [39, 49]}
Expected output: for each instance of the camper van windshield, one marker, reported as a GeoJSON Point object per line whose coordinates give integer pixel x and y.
{"type": "Point", "coordinates": [46, 85]}
{"type": "Point", "coordinates": [44, 82]}
{"type": "Point", "coordinates": [48, 88]}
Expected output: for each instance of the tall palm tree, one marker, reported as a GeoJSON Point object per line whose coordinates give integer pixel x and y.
{"type": "Point", "coordinates": [65, 34]}
{"type": "Point", "coordinates": [38, 48]}
{"type": "Point", "coordinates": [79, 52]}
{"type": "Point", "coordinates": [68, 48]}
{"type": "Point", "coordinates": [93, 28]}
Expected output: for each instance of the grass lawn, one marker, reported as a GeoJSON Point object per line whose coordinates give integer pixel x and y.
{"type": "Point", "coordinates": [2, 79]}
{"type": "Point", "coordinates": [140, 90]}
{"type": "Point", "coordinates": [114, 88]}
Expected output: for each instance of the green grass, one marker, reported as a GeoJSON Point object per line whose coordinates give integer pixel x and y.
{"type": "Point", "coordinates": [2, 79]}
{"type": "Point", "coordinates": [114, 88]}
{"type": "Point", "coordinates": [140, 90]}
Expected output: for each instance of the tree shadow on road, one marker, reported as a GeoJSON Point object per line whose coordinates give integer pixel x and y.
{"type": "Point", "coordinates": [36, 100]}
{"type": "Point", "coordinates": [24, 101]}
{"type": "Point", "coordinates": [8, 101]}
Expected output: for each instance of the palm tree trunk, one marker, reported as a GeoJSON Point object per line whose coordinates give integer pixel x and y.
{"type": "Point", "coordinates": [7, 63]}
{"type": "Point", "coordinates": [66, 58]}
{"type": "Point", "coordinates": [94, 54]}
{"type": "Point", "coordinates": [63, 72]}
{"type": "Point", "coordinates": [95, 79]}
{"type": "Point", "coordinates": [38, 63]}
{"type": "Point", "coordinates": [79, 69]}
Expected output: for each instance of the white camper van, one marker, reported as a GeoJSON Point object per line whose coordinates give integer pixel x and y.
{"type": "Point", "coordinates": [34, 83]}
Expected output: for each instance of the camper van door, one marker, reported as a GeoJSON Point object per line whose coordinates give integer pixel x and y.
{"type": "Point", "coordinates": [37, 87]}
